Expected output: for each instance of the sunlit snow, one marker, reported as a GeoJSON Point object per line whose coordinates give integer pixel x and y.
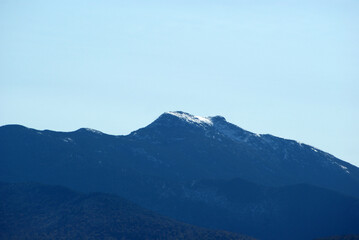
{"type": "Point", "coordinates": [191, 118]}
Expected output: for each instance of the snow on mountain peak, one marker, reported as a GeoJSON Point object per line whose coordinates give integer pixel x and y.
{"type": "Point", "coordinates": [219, 123]}
{"type": "Point", "coordinates": [191, 118]}
{"type": "Point", "coordinates": [91, 130]}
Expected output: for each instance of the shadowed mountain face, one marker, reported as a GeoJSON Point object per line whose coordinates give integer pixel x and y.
{"type": "Point", "coordinates": [292, 212]}
{"type": "Point", "coordinates": [347, 237]}
{"type": "Point", "coordinates": [33, 211]}
{"type": "Point", "coordinates": [177, 165]}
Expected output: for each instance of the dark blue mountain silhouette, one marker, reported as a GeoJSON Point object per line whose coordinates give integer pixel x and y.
{"type": "Point", "coordinates": [204, 171]}
{"type": "Point", "coordinates": [34, 211]}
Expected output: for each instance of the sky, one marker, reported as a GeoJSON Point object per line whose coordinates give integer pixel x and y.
{"type": "Point", "coordinates": [288, 68]}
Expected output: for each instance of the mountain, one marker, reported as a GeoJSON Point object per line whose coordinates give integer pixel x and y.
{"type": "Point", "coordinates": [347, 237]}
{"type": "Point", "coordinates": [298, 211]}
{"type": "Point", "coordinates": [33, 211]}
{"type": "Point", "coordinates": [219, 149]}
{"type": "Point", "coordinates": [168, 165]}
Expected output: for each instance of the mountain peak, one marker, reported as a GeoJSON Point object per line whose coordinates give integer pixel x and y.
{"type": "Point", "coordinates": [189, 118]}
{"type": "Point", "coordinates": [196, 119]}
{"type": "Point", "coordinates": [217, 119]}
{"type": "Point", "coordinates": [89, 130]}
{"type": "Point", "coordinates": [210, 125]}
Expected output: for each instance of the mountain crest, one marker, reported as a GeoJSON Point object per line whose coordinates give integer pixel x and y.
{"type": "Point", "coordinates": [189, 118]}
{"type": "Point", "coordinates": [175, 119]}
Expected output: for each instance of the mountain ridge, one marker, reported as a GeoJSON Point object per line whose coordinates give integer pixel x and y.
{"type": "Point", "coordinates": [36, 211]}
{"type": "Point", "coordinates": [278, 151]}
{"type": "Point", "coordinates": [159, 165]}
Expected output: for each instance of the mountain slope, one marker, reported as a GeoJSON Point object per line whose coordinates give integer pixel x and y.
{"type": "Point", "coordinates": [219, 149]}
{"type": "Point", "coordinates": [277, 212]}
{"type": "Point", "coordinates": [158, 167]}
{"type": "Point", "coordinates": [177, 146]}
{"type": "Point", "coordinates": [348, 237]}
{"type": "Point", "coordinates": [33, 211]}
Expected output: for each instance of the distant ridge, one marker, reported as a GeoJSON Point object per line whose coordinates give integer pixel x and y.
{"type": "Point", "coordinates": [34, 211]}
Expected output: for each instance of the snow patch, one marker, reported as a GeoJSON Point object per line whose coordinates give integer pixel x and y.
{"type": "Point", "coordinates": [93, 130]}
{"type": "Point", "coordinates": [344, 168]}
{"type": "Point", "coordinates": [315, 150]}
{"type": "Point", "coordinates": [234, 132]}
{"type": "Point", "coordinates": [68, 140]}
{"type": "Point", "coordinates": [192, 119]}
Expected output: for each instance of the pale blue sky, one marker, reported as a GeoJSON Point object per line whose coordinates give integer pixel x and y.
{"type": "Point", "coordinates": [289, 68]}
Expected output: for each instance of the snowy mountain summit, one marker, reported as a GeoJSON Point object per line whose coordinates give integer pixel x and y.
{"type": "Point", "coordinates": [191, 118]}
{"type": "Point", "coordinates": [216, 125]}
{"type": "Point", "coordinates": [267, 152]}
